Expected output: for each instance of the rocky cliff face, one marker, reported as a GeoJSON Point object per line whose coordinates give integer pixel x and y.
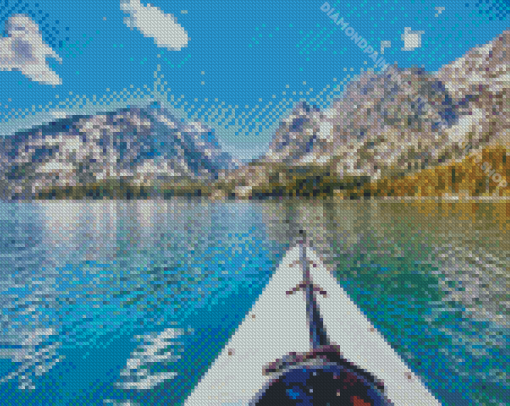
{"type": "Point", "coordinates": [479, 82]}
{"type": "Point", "coordinates": [138, 145]}
{"type": "Point", "coordinates": [379, 124]}
{"type": "Point", "coordinates": [404, 120]}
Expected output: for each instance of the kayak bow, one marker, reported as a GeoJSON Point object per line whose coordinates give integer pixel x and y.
{"type": "Point", "coordinates": [321, 376]}
{"type": "Point", "coordinates": [254, 357]}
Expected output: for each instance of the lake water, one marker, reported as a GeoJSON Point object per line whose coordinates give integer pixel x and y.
{"type": "Point", "coordinates": [112, 303]}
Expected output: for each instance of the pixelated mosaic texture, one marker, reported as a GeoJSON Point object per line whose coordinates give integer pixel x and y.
{"type": "Point", "coordinates": [403, 133]}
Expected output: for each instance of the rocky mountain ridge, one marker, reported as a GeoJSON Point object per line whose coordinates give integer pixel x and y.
{"type": "Point", "coordinates": [135, 145]}
{"type": "Point", "coordinates": [386, 125]}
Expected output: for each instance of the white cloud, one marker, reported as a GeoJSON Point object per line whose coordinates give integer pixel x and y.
{"type": "Point", "coordinates": [412, 39]}
{"type": "Point", "coordinates": [152, 22]}
{"type": "Point", "coordinates": [439, 11]}
{"type": "Point", "coordinates": [385, 44]}
{"type": "Point", "coordinates": [24, 50]}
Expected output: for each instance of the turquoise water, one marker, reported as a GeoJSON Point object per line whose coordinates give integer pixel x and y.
{"type": "Point", "coordinates": [105, 303]}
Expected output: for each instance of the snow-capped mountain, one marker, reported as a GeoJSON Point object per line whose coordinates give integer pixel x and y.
{"type": "Point", "coordinates": [479, 82]}
{"type": "Point", "coordinates": [395, 122]}
{"type": "Point", "coordinates": [297, 135]}
{"type": "Point", "coordinates": [404, 120]}
{"type": "Point", "coordinates": [380, 122]}
{"type": "Point", "coordinates": [385, 124]}
{"type": "Point", "coordinates": [135, 144]}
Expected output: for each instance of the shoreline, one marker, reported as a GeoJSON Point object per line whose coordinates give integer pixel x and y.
{"type": "Point", "coordinates": [389, 199]}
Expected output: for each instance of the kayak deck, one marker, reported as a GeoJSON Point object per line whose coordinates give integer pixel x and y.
{"type": "Point", "coordinates": [276, 326]}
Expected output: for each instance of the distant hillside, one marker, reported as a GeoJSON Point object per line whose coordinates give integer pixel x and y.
{"type": "Point", "coordinates": [482, 173]}
{"type": "Point", "coordinates": [135, 146]}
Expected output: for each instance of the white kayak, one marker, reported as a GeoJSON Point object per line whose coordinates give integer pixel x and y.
{"type": "Point", "coordinates": [277, 325]}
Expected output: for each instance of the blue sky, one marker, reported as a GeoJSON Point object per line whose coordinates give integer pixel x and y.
{"type": "Point", "coordinates": [258, 57]}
